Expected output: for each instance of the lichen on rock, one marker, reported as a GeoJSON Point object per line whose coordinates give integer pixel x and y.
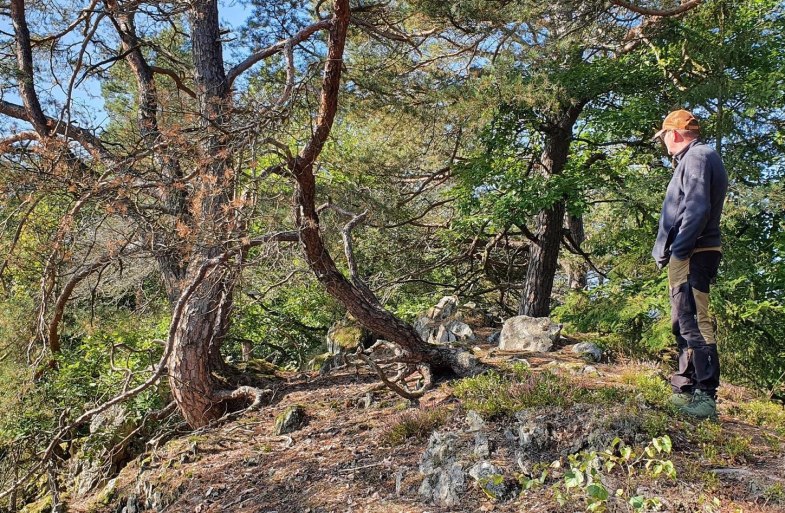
{"type": "Point", "coordinates": [290, 420]}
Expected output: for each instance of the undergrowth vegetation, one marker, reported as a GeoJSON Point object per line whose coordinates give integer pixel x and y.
{"type": "Point", "coordinates": [414, 425]}
{"type": "Point", "coordinates": [761, 412]}
{"type": "Point", "coordinates": [503, 393]}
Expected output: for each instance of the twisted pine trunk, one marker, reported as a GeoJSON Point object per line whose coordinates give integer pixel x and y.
{"type": "Point", "coordinates": [361, 303]}
{"type": "Point", "coordinates": [204, 323]}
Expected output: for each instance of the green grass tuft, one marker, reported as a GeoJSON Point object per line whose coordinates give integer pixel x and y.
{"type": "Point", "coordinates": [500, 394]}
{"type": "Point", "coordinates": [414, 424]}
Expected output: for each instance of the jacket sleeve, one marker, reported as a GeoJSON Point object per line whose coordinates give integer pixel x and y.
{"type": "Point", "coordinates": [661, 251]}
{"type": "Point", "coordinates": [697, 204]}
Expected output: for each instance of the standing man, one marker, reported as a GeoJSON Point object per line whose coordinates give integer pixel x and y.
{"type": "Point", "coordinates": [688, 242]}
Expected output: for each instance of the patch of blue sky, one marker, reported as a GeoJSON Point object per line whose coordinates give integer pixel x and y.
{"type": "Point", "coordinates": [75, 95]}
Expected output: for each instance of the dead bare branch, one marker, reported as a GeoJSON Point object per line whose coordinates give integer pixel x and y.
{"type": "Point", "coordinates": [265, 53]}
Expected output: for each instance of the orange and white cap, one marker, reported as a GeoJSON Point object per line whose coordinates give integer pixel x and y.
{"type": "Point", "coordinates": [678, 120]}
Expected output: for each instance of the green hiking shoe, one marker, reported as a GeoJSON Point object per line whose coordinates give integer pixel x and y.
{"type": "Point", "coordinates": [703, 406]}
{"type": "Point", "coordinates": [681, 399]}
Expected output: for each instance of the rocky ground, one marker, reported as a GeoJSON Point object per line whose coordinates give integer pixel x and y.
{"type": "Point", "coordinates": [363, 449]}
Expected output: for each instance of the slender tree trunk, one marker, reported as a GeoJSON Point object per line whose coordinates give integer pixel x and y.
{"type": "Point", "coordinates": [205, 320]}
{"type": "Point", "coordinates": [543, 257]}
{"type": "Point", "coordinates": [544, 254]}
{"type": "Point", "coordinates": [576, 269]}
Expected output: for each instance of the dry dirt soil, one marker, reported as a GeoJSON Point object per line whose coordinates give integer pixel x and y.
{"type": "Point", "coordinates": [339, 462]}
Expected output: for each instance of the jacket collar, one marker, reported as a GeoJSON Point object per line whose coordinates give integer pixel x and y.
{"type": "Point", "coordinates": [687, 148]}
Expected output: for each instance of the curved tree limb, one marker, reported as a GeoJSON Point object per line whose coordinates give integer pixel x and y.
{"type": "Point", "coordinates": [9, 141]}
{"type": "Point", "coordinates": [59, 307]}
{"type": "Point", "coordinates": [177, 79]}
{"type": "Point", "coordinates": [685, 6]}
{"type": "Point", "coordinates": [87, 140]}
{"type": "Point", "coordinates": [348, 246]}
{"type": "Point", "coordinates": [367, 309]}
{"type": "Point", "coordinates": [280, 46]}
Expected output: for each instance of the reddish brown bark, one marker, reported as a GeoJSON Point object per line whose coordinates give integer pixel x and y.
{"type": "Point", "coordinates": [365, 307]}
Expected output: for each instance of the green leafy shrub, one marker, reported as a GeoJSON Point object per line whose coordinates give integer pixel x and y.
{"type": "Point", "coordinates": [761, 413]}
{"type": "Point", "coordinates": [583, 481]}
{"type": "Point", "coordinates": [629, 317]}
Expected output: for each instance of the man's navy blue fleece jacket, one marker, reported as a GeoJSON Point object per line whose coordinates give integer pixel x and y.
{"type": "Point", "coordinates": [691, 211]}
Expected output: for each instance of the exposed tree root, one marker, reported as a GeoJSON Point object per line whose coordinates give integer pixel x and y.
{"type": "Point", "coordinates": [252, 394]}
{"type": "Point", "coordinates": [453, 361]}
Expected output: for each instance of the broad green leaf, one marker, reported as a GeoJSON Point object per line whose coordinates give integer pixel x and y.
{"type": "Point", "coordinates": [637, 502]}
{"type": "Point", "coordinates": [573, 478]}
{"type": "Point", "coordinates": [597, 491]}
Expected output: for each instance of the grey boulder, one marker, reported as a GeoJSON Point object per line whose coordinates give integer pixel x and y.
{"type": "Point", "coordinates": [524, 333]}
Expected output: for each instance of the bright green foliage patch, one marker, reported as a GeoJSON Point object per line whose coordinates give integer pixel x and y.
{"type": "Point", "coordinates": [653, 388]}
{"type": "Point", "coordinates": [630, 318]}
{"type": "Point", "coordinates": [762, 413]}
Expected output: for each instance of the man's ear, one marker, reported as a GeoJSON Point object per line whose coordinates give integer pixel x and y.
{"type": "Point", "coordinates": [678, 136]}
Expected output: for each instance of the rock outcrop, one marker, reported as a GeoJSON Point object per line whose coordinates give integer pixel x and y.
{"type": "Point", "coordinates": [104, 450]}
{"type": "Point", "coordinates": [444, 480]}
{"type": "Point", "coordinates": [448, 322]}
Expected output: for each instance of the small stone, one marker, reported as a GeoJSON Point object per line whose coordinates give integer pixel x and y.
{"type": "Point", "coordinates": [460, 330]}
{"type": "Point", "coordinates": [132, 504]}
{"type": "Point", "coordinates": [533, 436]}
{"type": "Point", "coordinates": [290, 420]}
{"type": "Point", "coordinates": [442, 336]}
{"type": "Point", "coordinates": [589, 351]}
{"type": "Point", "coordinates": [482, 446]}
{"type": "Point", "coordinates": [474, 421]}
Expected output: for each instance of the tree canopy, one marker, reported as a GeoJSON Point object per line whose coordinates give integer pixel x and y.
{"type": "Point", "coordinates": [179, 194]}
